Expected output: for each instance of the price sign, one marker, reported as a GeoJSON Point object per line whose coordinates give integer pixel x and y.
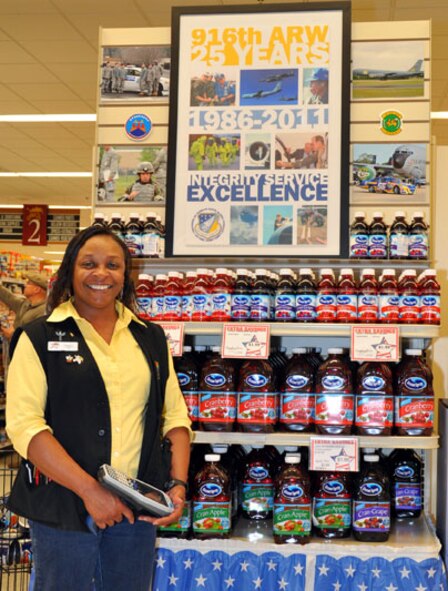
{"type": "Point", "coordinates": [34, 232]}
{"type": "Point", "coordinates": [246, 340]}
{"type": "Point", "coordinates": [334, 454]}
{"type": "Point", "coordinates": [375, 343]}
{"type": "Point", "coordinates": [174, 332]}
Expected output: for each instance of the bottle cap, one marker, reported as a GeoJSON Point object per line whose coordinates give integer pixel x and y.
{"type": "Point", "coordinates": [418, 214]}
{"type": "Point", "coordinates": [292, 458]}
{"type": "Point", "coordinates": [144, 277]}
{"type": "Point", "coordinates": [299, 350]}
{"type": "Point", "coordinates": [241, 271]}
{"type": "Point", "coordinates": [187, 348]}
{"type": "Point", "coordinates": [371, 458]}
{"type": "Point", "coordinates": [360, 214]}
{"type": "Point", "coordinates": [335, 351]}
{"type": "Point", "coordinates": [346, 272]}
{"type": "Point", "coordinates": [291, 449]}
{"type": "Point", "coordinates": [378, 214]}
{"type": "Point", "coordinates": [151, 214]}
{"type": "Point", "coordinates": [413, 352]}
{"type": "Point", "coordinates": [212, 457]}
{"type": "Point", "coordinates": [368, 271]}
{"type": "Point", "coordinates": [400, 214]}
{"type": "Point", "coordinates": [305, 271]}
{"type": "Point", "coordinates": [134, 215]}
{"type": "Point", "coordinates": [326, 271]}
{"type": "Point", "coordinates": [99, 215]}
{"type": "Point", "coordinates": [161, 277]}
{"type": "Point", "coordinates": [285, 271]}
{"type": "Point", "coordinates": [220, 449]}
{"type": "Point", "coordinates": [115, 216]}
{"type": "Point", "coordinates": [369, 450]}
{"type": "Point", "coordinates": [220, 271]}
{"type": "Point", "coordinates": [389, 272]}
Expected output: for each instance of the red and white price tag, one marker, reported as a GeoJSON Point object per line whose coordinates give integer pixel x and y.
{"type": "Point", "coordinates": [174, 332]}
{"type": "Point", "coordinates": [334, 454]}
{"type": "Point", "coordinates": [246, 340]}
{"type": "Point", "coordinates": [375, 343]}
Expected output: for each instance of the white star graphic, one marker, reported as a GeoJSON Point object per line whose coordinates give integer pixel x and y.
{"type": "Point", "coordinates": [391, 588]}
{"type": "Point", "coordinates": [200, 581]}
{"type": "Point", "coordinates": [272, 565]}
{"type": "Point", "coordinates": [337, 586]}
{"type": "Point", "coordinates": [362, 587]}
{"type": "Point", "coordinates": [323, 570]}
{"type": "Point", "coordinates": [217, 565]}
{"type": "Point", "coordinates": [173, 579]}
{"type": "Point", "coordinates": [244, 566]}
{"type": "Point", "coordinates": [160, 562]}
{"type": "Point", "coordinates": [421, 588]}
{"type": "Point", "coordinates": [350, 571]}
{"type": "Point", "coordinates": [431, 572]}
{"type": "Point", "coordinates": [298, 569]}
{"type": "Point", "coordinates": [376, 572]}
{"type": "Point", "coordinates": [229, 582]}
{"type": "Point", "coordinates": [257, 582]}
{"type": "Point", "coordinates": [188, 563]}
{"type": "Point", "coordinates": [405, 573]}
{"type": "Point", "coordinates": [282, 584]}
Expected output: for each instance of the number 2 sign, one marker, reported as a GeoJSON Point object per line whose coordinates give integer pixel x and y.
{"type": "Point", "coordinates": [34, 232]}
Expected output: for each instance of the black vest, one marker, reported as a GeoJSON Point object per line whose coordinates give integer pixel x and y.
{"type": "Point", "coordinates": [78, 412]}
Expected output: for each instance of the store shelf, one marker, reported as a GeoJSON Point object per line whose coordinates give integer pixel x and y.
{"type": "Point", "coordinates": [235, 438]}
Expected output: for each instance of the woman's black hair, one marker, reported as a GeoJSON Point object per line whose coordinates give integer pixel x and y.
{"type": "Point", "coordinates": [62, 288]}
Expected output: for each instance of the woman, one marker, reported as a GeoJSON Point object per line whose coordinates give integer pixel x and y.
{"type": "Point", "coordinates": [92, 384]}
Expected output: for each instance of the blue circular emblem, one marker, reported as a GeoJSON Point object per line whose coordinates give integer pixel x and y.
{"type": "Point", "coordinates": [138, 127]}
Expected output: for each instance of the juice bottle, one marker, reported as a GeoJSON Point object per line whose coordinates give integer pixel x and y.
{"type": "Point", "coordinates": [326, 303]}
{"type": "Point", "coordinates": [233, 457]}
{"type": "Point", "coordinates": [217, 395]}
{"type": "Point", "coordinates": [398, 237]}
{"type": "Point", "coordinates": [347, 298]}
{"type": "Point", "coordinates": [161, 229]}
{"type": "Point", "coordinates": [116, 225]}
{"type": "Point", "coordinates": [374, 399]}
{"type": "Point", "coordinates": [371, 502]}
{"type": "Point", "coordinates": [260, 302]}
{"type": "Point", "coordinates": [187, 371]}
{"type": "Point", "coordinates": [257, 485]}
{"type": "Point", "coordinates": [306, 296]}
{"type": "Point", "coordinates": [187, 295]}
{"type": "Point", "coordinates": [297, 398]}
{"type": "Point", "coordinates": [388, 298]}
{"type": "Point", "coordinates": [150, 236]}
{"type": "Point", "coordinates": [418, 245]}
{"type": "Point", "coordinates": [406, 483]}
{"type": "Point", "coordinates": [285, 297]}
{"type": "Point", "coordinates": [409, 298]}
{"type": "Point", "coordinates": [133, 235]}
{"type": "Point", "coordinates": [201, 296]}
{"type": "Point", "coordinates": [332, 505]}
{"type": "Point", "coordinates": [172, 304]}
{"type": "Point", "coordinates": [241, 296]}
{"type": "Point", "coordinates": [292, 504]}
{"type": "Point", "coordinates": [334, 395]}
{"type": "Point", "coordinates": [359, 237]}
{"type": "Point", "coordinates": [273, 279]}
{"type": "Point", "coordinates": [378, 237]}
{"type": "Point", "coordinates": [158, 298]}
{"type": "Point", "coordinates": [257, 397]}
{"type": "Point", "coordinates": [144, 292]}
{"type": "Point", "coordinates": [221, 294]}
{"type": "Point", "coordinates": [429, 289]}
{"type": "Point", "coordinates": [211, 500]}
{"type": "Point", "coordinates": [99, 219]}
{"type": "Point", "coordinates": [368, 297]}
{"type": "Point", "coordinates": [414, 399]}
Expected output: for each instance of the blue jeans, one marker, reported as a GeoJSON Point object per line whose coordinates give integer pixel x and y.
{"type": "Point", "coordinates": [118, 558]}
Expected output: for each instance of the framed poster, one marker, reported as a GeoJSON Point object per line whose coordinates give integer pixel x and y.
{"type": "Point", "coordinates": [259, 131]}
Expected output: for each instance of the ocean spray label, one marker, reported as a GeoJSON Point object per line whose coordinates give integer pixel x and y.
{"type": "Point", "coordinates": [408, 496]}
{"type": "Point", "coordinates": [371, 516]}
{"type": "Point", "coordinates": [211, 517]}
{"type": "Point", "coordinates": [334, 409]}
{"type": "Point", "coordinates": [332, 513]}
{"type": "Point", "coordinates": [285, 306]}
{"type": "Point", "coordinates": [292, 519]}
{"type": "Point", "coordinates": [414, 411]}
{"type": "Point", "coordinates": [217, 407]}
{"type": "Point", "coordinates": [257, 407]}
{"type": "Point", "coordinates": [297, 407]}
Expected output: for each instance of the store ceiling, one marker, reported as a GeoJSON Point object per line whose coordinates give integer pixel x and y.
{"type": "Point", "coordinates": [49, 64]}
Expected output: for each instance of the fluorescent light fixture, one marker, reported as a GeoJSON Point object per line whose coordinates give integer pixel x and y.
{"type": "Point", "coordinates": [58, 252]}
{"type": "Point", "coordinates": [439, 114]}
{"type": "Point", "coordinates": [74, 206]}
{"type": "Point", "coordinates": [56, 118]}
{"type": "Point", "coordinates": [46, 174]}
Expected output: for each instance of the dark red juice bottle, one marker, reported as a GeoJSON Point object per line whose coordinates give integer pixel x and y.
{"type": "Point", "coordinates": [406, 483]}
{"type": "Point", "coordinates": [297, 397]}
{"type": "Point", "coordinates": [374, 399]}
{"type": "Point", "coordinates": [187, 295]}
{"type": "Point", "coordinates": [257, 485]}
{"type": "Point", "coordinates": [368, 297]}
{"type": "Point", "coordinates": [144, 292]}
{"type": "Point", "coordinates": [292, 504]}
{"type": "Point", "coordinates": [409, 298]}
{"type": "Point", "coordinates": [172, 305]}
{"type": "Point", "coordinates": [418, 242]}
{"type": "Point", "coordinates": [220, 296]}
{"type": "Point", "coordinates": [429, 289]}
{"type": "Point", "coordinates": [359, 237]}
{"type": "Point", "coordinates": [306, 296]}
{"type": "Point", "coordinates": [158, 298]}
{"type": "Point", "coordinates": [334, 395]}
{"type": "Point", "coordinates": [332, 505]}
{"type": "Point", "coordinates": [285, 297]}
{"type": "Point", "coordinates": [133, 235]}
{"type": "Point", "coordinates": [260, 303]}
{"type": "Point", "coordinates": [257, 397]}
{"type": "Point", "coordinates": [378, 237]}
{"type": "Point", "coordinates": [326, 304]}
{"type": "Point", "coordinates": [347, 298]}
{"type": "Point", "coordinates": [388, 298]}
{"type": "Point", "coordinates": [116, 225]}
{"type": "Point", "coordinates": [241, 297]}
{"type": "Point", "coordinates": [187, 371]}
{"type": "Point", "coordinates": [201, 297]}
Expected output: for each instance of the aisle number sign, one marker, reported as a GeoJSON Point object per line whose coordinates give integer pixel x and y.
{"type": "Point", "coordinates": [34, 230]}
{"type": "Point", "coordinates": [334, 454]}
{"type": "Point", "coordinates": [174, 332]}
{"type": "Point", "coordinates": [246, 341]}
{"type": "Point", "coordinates": [375, 343]}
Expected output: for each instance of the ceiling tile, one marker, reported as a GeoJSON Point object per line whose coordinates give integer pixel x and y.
{"type": "Point", "coordinates": [13, 73]}
{"type": "Point", "coordinates": [20, 7]}
{"type": "Point", "coordinates": [13, 53]}
{"type": "Point", "coordinates": [43, 91]}
{"type": "Point", "coordinates": [39, 27]}
{"type": "Point", "coordinates": [57, 51]}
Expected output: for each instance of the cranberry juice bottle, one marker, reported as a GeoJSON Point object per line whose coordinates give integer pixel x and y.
{"type": "Point", "coordinates": [334, 395]}
{"type": "Point", "coordinates": [398, 237]}
{"type": "Point", "coordinates": [133, 235]}
{"type": "Point", "coordinates": [409, 298]}
{"type": "Point", "coordinates": [257, 397]}
{"type": "Point", "coordinates": [292, 504]}
{"type": "Point", "coordinates": [187, 295]}
{"type": "Point", "coordinates": [406, 483]}
{"type": "Point", "coordinates": [374, 399]}
{"type": "Point", "coordinates": [418, 242]}
{"type": "Point", "coordinates": [144, 292]}
{"type": "Point", "coordinates": [326, 304]}
{"type": "Point", "coordinates": [257, 485]}
{"type": "Point", "coordinates": [158, 299]}
{"type": "Point", "coordinates": [347, 298]}
{"type": "Point", "coordinates": [172, 305]}
{"type": "Point", "coordinates": [297, 398]}
{"type": "Point", "coordinates": [332, 505]}
{"type": "Point", "coordinates": [201, 297]}
{"type": "Point", "coordinates": [359, 237]}
{"type": "Point", "coordinates": [241, 297]}
{"type": "Point", "coordinates": [211, 500]}
{"type": "Point", "coordinates": [377, 237]}
{"type": "Point", "coordinates": [368, 297]}
{"type": "Point", "coordinates": [388, 298]}
{"type": "Point", "coordinates": [414, 399]}
{"type": "Point", "coordinates": [371, 503]}
{"type": "Point", "coordinates": [221, 294]}
{"type": "Point", "coordinates": [306, 296]}
{"type": "Point", "coordinates": [217, 395]}
{"type": "Point", "coordinates": [260, 303]}
{"type": "Point", "coordinates": [285, 297]}
{"type": "Point", "coordinates": [187, 371]}
{"type": "Point", "coordinates": [429, 289]}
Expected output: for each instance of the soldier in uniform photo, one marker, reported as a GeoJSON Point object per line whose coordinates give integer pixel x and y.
{"type": "Point", "coordinates": [159, 165]}
{"type": "Point", "coordinates": [319, 87]}
{"type": "Point", "coordinates": [144, 189]}
{"type": "Point", "coordinates": [203, 91]}
{"type": "Point", "coordinates": [108, 172]}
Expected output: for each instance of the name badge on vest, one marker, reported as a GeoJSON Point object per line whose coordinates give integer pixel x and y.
{"type": "Point", "coordinates": [63, 346]}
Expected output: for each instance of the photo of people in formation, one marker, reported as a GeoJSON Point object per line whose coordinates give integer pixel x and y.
{"type": "Point", "coordinates": [214, 152]}
{"type": "Point", "coordinates": [315, 86]}
{"type": "Point", "coordinates": [277, 224]}
{"type": "Point", "coordinates": [301, 150]}
{"type": "Point", "coordinates": [268, 87]}
{"type": "Point", "coordinates": [257, 151]}
{"type": "Point", "coordinates": [132, 174]}
{"type": "Point", "coordinates": [212, 89]}
{"type": "Point", "coordinates": [312, 225]}
{"type": "Point", "coordinates": [138, 72]}
{"type": "Point", "coordinates": [243, 224]}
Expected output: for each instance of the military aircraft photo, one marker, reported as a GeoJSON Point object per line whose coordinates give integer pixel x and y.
{"type": "Point", "coordinates": [263, 93]}
{"type": "Point", "coordinates": [278, 77]}
{"type": "Point", "coordinates": [365, 73]}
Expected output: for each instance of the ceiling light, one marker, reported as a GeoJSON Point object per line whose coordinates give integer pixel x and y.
{"type": "Point", "coordinates": [439, 114]}
{"type": "Point", "coordinates": [57, 118]}
{"type": "Point", "coordinates": [46, 174]}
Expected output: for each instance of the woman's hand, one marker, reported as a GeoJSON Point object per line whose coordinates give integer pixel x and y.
{"type": "Point", "coordinates": [105, 508]}
{"type": "Point", "coordinates": [177, 495]}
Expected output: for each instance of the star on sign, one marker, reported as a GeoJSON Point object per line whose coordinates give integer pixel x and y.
{"type": "Point", "coordinates": [200, 581]}
{"type": "Point", "coordinates": [323, 570]}
{"type": "Point", "coordinates": [272, 565]}
{"type": "Point", "coordinates": [391, 587]}
{"type": "Point", "coordinates": [337, 586]}
{"type": "Point", "coordinates": [160, 562]}
{"type": "Point", "coordinates": [229, 582]}
{"type": "Point", "coordinates": [257, 582]}
{"type": "Point", "coordinates": [188, 563]}
{"type": "Point", "coordinates": [173, 579]}
{"type": "Point", "coordinates": [421, 588]}
{"type": "Point", "coordinates": [282, 584]}
{"type": "Point", "coordinates": [298, 569]}
{"type": "Point", "coordinates": [376, 572]}
{"type": "Point", "coordinates": [350, 571]}
{"type": "Point", "coordinates": [217, 565]}
{"type": "Point", "coordinates": [405, 573]}
{"type": "Point", "coordinates": [244, 566]}
{"type": "Point", "coordinates": [431, 572]}
{"type": "Point", "coordinates": [362, 587]}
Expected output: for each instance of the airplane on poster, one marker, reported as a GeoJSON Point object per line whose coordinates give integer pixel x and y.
{"type": "Point", "coordinates": [278, 77]}
{"type": "Point", "coordinates": [367, 74]}
{"type": "Point", "coordinates": [407, 161]}
{"type": "Point", "coordinates": [263, 93]}
{"type": "Point", "coordinates": [248, 217]}
{"type": "Point", "coordinates": [288, 98]}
